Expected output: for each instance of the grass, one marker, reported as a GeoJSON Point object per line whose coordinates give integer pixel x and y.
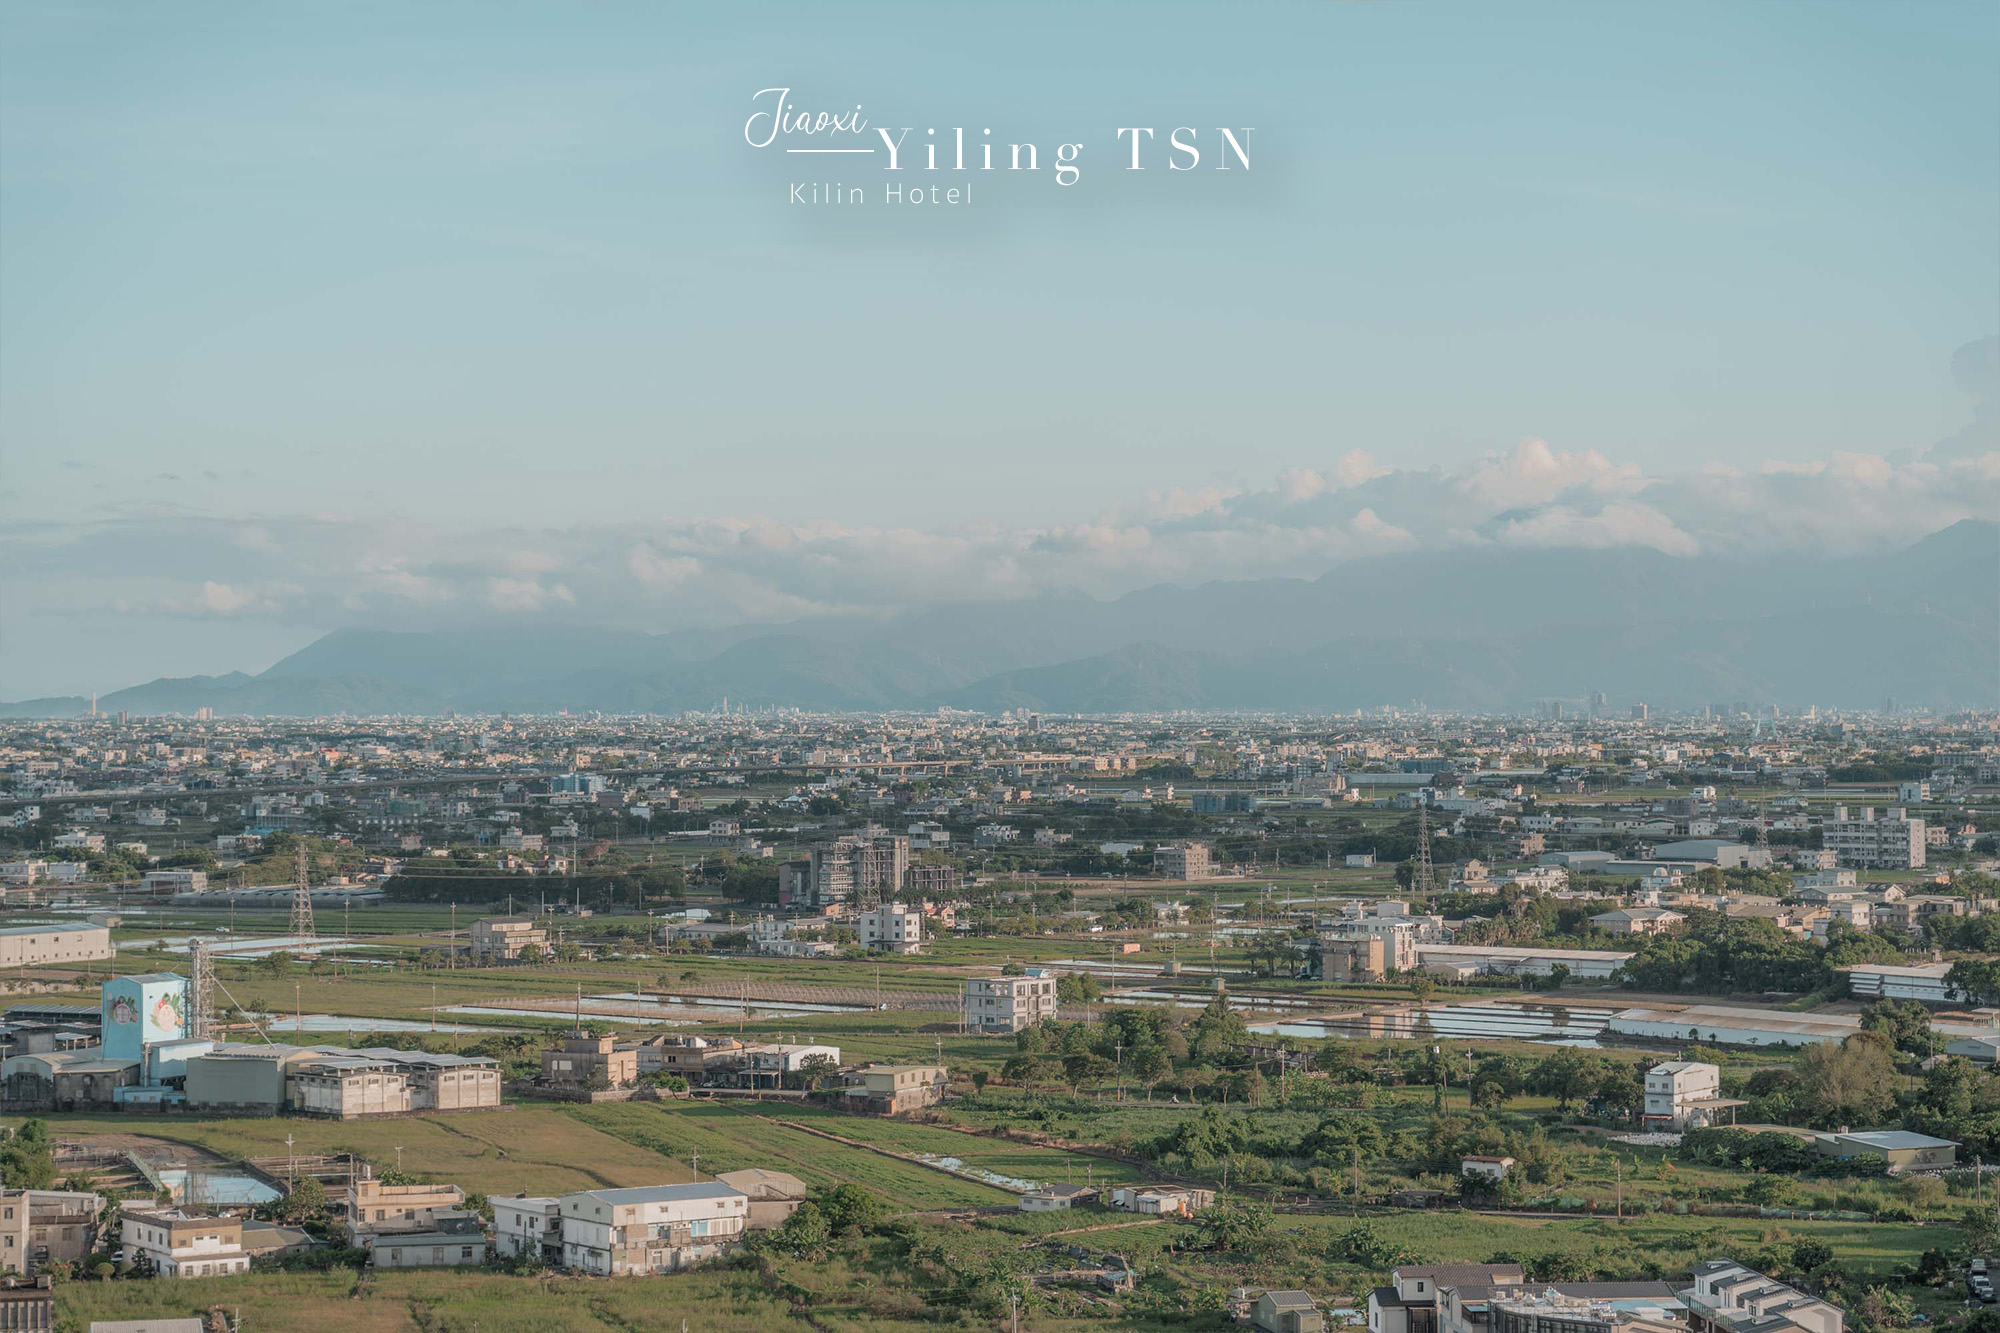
{"type": "Point", "coordinates": [536, 1149]}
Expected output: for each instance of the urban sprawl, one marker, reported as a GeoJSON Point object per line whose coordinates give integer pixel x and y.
{"type": "Point", "coordinates": [1582, 1021]}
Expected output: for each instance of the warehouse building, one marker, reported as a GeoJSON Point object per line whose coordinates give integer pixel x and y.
{"type": "Point", "coordinates": [1897, 1150]}
{"type": "Point", "coordinates": [45, 945]}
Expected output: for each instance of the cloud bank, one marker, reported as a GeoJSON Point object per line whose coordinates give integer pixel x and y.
{"type": "Point", "coordinates": [325, 571]}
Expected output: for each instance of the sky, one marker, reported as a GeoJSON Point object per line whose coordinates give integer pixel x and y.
{"type": "Point", "coordinates": [413, 316]}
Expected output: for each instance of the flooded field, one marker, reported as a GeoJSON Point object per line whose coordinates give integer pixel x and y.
{"type": "Point", "coordinates": [350, 1023]}
{"type": "Point", "coordinates": [1556, 1024]}
{"type": "Point", "coordinates": [632, 1007]}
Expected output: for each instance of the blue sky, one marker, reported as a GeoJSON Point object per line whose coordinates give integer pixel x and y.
{"type": "Point", "coordinates": [284, 285]}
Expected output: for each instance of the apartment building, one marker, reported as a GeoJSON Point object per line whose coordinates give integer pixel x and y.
{"type": "Point", "coordinates": [501, 939]}
{"type": "Point", "coordinates": [180, 1243]}
{"type": "Point", "coordinates": [1008, 1004]}
{"type": "Point", "coordinates": [1861, 839]}
{"type": "Point", "coordinates": [1554, 1311]}
{"type": "Point", "coordinates": [858, 868]}
{"type": "Point", "coordinates": [1182, 859]}
{"type": "Point", "coordinates": [652, 1229]}
{"type": "Point", "coordinates": [39, 1227]}
{"type": "Point", "coordinates": [1675, 1091]}
{"type": "Point", "coordinates": [1729, 1298]}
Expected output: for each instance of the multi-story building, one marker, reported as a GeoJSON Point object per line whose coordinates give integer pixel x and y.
{"type": "Point", "coordinates": [892, 928]}
{"type": "Point", "coordinates": [39, 1227]}
{"type": "Point", "coordinates": [1860, 839]}
{"type": "Point", "coordinates": [178, 1242]}
{"type": "Point", "coordinates": [858, 868]}
{"type": "Point", "coordinates": [1352, 959]}
{"type": "Point", "coordinates": [652, 1229]}
{"type": "Point", "coordinates": [1553, 1311]}
{"type": "Point", "coordinates": [1675, 1091]}
{"type": "Point", "coordinates": [1729, 1298]}
{"type": "Point", "coordinates": [378, 1209]}
{"type": "Point", "coordinates": [501, 939]}
{"type": "Point", "coordinates": [690, 1057]}
{"type": "Point", "coordinates": [1182, 859]}
{"type": "Point", "coordinates": [580, 1061]}
{"type": "Point", "coordinates": [1008, 1004]}
{"type": "Point", "coordinates": [527, 1226]}
{"type": "Point", "coordinates": [175, 881]}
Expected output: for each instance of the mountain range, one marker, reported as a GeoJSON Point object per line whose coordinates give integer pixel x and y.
{"type": "Point", "coordinates": [1473, 628]}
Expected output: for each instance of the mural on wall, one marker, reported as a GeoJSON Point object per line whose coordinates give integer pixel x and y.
{"type": "Point", "coordinates": [166, 1017]}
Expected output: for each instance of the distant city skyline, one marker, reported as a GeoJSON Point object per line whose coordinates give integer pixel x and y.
{"type": "Point", "coordinates": [392, 318]}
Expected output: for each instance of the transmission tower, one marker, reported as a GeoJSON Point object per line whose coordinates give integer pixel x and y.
{"type": "Point", "coordinates": [1420, 879]}
{"type": "Point", "coordinates": [201, 991]}
{"type": "Point", "coordinates": [302, 900]}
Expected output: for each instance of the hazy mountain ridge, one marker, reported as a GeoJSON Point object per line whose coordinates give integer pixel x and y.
{"type": "Point", "coordinates": [1479, 629]}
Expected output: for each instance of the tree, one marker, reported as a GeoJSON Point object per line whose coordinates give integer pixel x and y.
{"type": "Point", "coordinates": [531, 953]}
{"type": "Point", "coordinates": [849, 1208]}
{"type": "Point", "coordinates": [1853, 1082]}
{"type": "Point", "coordinates": [1150, 1066]}
{"type": "Point", "coordinates": [1923, 1194]}
{"type": "Point", "coordinates": [1811, 1255]}
{"type": "Point", "coordinates": [305, 1200]}
{"type": "Point", "coordinates": [27, 1159]}
{"type": "Point", "coordinates": [1883, 1308]}
{"type": "Point", "coordinates": [1568, 1075]}
{"type": "Point", "coordinates": [806, 1233]}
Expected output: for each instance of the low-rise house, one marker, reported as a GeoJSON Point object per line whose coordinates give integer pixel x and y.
{"type": "Point", "coordinates": [690, 1057]}
{"type": "Point", "coordinates": [457, 1240]}
{"type": "Point", "coordinates": [1053, 1198]}
{"type": "Point", "coordinates": [894, 1089]}
{"type": "Point", "coordinates": [1679, 1094]}
{"type": "Point", "coordinates": [579, 1061]}
{"type": "Point", "coordinates": [1637, 921]}
{"type": "Point", "coordinates": [39, 1227]}
{"type": "Point", "coordinates": [180, 1243]}
{"type": "Point", "coordinates": [1287, 1312]}
{"type": "Point", "coordinates": [1162, 1200]}
{"type": "Point", "coordinates": [527, 1226]}
{"type": "Point", "coordinates": [652, 1229]}
{"type": "Point", "coordinates": [31, 1306]}
{"type": "Point", "coordinates": [773, 1195]}
{"type": "Point", "coordinates": [1410, 1304]}
{"type": "Point", "coordinates": [375, 1209]}
{"type": "Point", "coordinates": [1487, 1168]}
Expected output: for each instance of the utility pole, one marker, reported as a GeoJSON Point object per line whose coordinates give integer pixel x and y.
{"type": "Point", "coordinates": [1618, 1166]}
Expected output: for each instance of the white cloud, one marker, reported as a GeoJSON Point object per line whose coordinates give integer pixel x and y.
{"type": "Point", "coordinates": [319, 572]}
